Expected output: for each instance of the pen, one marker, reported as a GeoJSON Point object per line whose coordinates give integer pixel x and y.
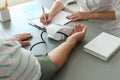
{"type": "Point", "coordinates": [36, 26]}
{"type": "Point", "coordinates": [44, 13]}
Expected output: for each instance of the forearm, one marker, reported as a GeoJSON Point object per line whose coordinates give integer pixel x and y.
{"type": "Point", "coordinates": [60, 54]}
{"type": "Point", "coordinates": [57, 6]}
{"type": "Point", "coordinates": [65, 47]}
{"type": "Point", "coordinates": [106, 15]}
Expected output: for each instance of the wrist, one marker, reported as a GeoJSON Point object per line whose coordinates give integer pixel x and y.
{"type": "Point", "coordinates": [51, 14]}
{"type": "Point", "coordinates": [71, 40]}
{"type": "Point", "coordinates": [92, 15]}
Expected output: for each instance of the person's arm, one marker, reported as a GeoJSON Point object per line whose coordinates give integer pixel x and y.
{"type": "Point", "coordinates": [57, 6]}
{"type": "Point", "coordinates": [17, 60]}
{"type": "Point", "coordinates": [103, 15]}
{"type": "Point", "coordinates": [60, 54]}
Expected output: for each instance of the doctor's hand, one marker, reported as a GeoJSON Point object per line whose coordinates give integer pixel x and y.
{"type": "Point", "coordinates": [21, 38]}
{"type": "Point", "coordinates": [46, 18]}
{"type": "Point", "coordinates": [80, 16]}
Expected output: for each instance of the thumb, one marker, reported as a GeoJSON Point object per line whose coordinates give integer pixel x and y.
{"type": "Point", "coordinates": [84, 29]}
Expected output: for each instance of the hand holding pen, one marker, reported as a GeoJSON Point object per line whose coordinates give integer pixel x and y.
{"type": "Point", "coordinates": [46, 18]}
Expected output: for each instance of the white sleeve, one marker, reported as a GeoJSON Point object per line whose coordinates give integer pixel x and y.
{"type": "Point", "coordinates": [64, 2]}
{"type": "Point", "coordinates": [117, 9]}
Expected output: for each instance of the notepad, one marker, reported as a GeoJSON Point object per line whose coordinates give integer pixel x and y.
{"type": "Point", "coordinates": [33, 11]}
{"type": "Point", "coordinates": [103, 46]}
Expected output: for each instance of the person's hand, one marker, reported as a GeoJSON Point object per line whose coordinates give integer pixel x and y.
{"type": "Point", "coordinates": [22, 38]}
{"type": "Point", "coordinates": [48, 19]}
{"type": "Point", "coordinates": [80, 16]}
{"type": "Point", "coordinates": [78, 33]}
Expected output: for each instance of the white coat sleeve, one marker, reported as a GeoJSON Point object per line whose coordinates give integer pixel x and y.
{"type": "Point", "coordinates": [117, 9]}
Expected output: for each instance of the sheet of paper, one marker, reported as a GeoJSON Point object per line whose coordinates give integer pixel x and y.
{"type": "Point", "coordinates": [33, 11]}
{"type": "Point", "coordinates": [1, 35]}
{"type": "Point", "coordinates": [60, 18]}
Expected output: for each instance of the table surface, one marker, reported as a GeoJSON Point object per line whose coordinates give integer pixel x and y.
{"type": "Point", "coordinates": [80, 65]}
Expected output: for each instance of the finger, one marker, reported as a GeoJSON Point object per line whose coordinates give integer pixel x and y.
{"type": "Point", "coordinates": [70, 16]}
{"type": "Point", "coordinates": [78, 28]}
{"type": "Point", "coordinates": [43, 20]}
{"type": "Point", "coordinates": [74, 29]}
{"type": "Point", "coordinates": [49, 19]}
{"type": "Point", "coordinates": [67, 17]}
{"type": "Point", "coordinates": [84, 30]}
{"type": "Point", "coordinates": [24, 43]}
{"type": "Point", "coordinates": [75, 19]}
{"type": "Point", "coordinates": [25, 36]}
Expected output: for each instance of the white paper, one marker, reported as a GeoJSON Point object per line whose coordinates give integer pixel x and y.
{"type": "Point", "coordinates": [60, 18]}
{"type": "Point", "coordinates": [34, 10]}
{"type": "Point", "coordinates": [1, 35]}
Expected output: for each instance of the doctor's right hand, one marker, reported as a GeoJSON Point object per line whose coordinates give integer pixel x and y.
{"type": "Point", "coordinates": [46, 18]}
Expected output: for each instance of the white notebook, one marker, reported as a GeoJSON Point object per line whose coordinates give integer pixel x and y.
{"type": "Point", "coordinates": [103, 46]}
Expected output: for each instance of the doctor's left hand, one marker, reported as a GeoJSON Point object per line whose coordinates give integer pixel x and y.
{"type": "Point", "coordinates": [80, 16]}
